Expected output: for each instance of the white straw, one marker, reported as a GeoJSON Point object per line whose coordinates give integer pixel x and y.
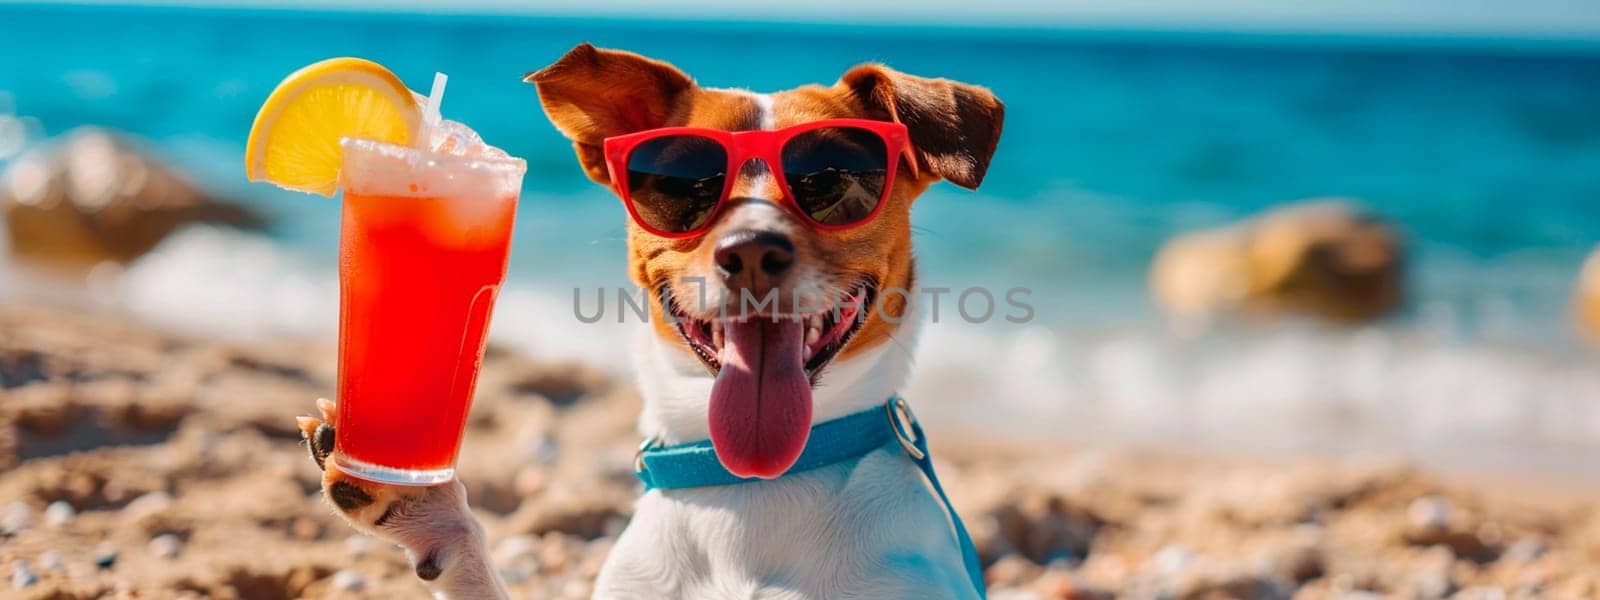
{"type": "Point", "coordinates": [430, 113]}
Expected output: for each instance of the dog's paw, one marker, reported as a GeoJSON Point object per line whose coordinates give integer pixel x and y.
{"type": "Point", "coordinates": [432, 523]}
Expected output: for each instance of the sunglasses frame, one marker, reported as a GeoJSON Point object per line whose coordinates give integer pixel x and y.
{"type": "Point", "coordinates": [741, 147]}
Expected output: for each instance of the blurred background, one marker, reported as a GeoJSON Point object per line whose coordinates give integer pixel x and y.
{"type": "Point", "coordinates": [1343, 228]}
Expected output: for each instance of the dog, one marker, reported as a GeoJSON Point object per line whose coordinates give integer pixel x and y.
{"type": "Point", "coordinates": [867, 527]}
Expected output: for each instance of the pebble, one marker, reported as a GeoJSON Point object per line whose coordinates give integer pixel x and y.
{"type": "Point", "coordinates": [515, 575]}
{"type": "Point", "coordinates": [50, 560]}
{"type": "Point", "coordinates": [357, 545]}
{"type": "Point", "coordinates": [1171, 559]}
{"type": "Point", "coordinates": [515, 547]}
{"type": "Point", "coordinates": [555, 557]}
{"type": "Point", "coordinates": [1059, 583]}
{"type": "Point", "coordinates": [1526, 550]}
{"type": "Point", "coordinates": [1490, 534]}
{"type": "Point", "coordinates": [530, 480]}
{"type": "Point", "coordinates": [16, 517]}
{"type": "Point", "coordinates": [78, 571]}
{"type": "Point", "coordinates": [348, 580]}
{"type": "Point", "coordinates": [58, 513]}
{"type": "Point", "coordinates": [105, 556]}
{"type": "Point", "coordinates": [1431, 583]}
{"type": "Point", "coordinates": [1298, 563]}
{"type": "Point", "coordinates": [1012, 569]}
{"type": "Point", "coordinates": [21, 576]}
{"type": "Point", "coordinates": [1429, 513]}
{"type": "Point", "coordinates": [1481, 593]}
{"type": "Point", "coordinates": [541, 448]}
{"type": "Point", "coordinates": [165, 545]}
{"type": "Point", "coordinates": [114, 492]}
{"type": "Point", "coordinates": [305, 529]}
{"type": "Point", "coordinates": [147, 504]}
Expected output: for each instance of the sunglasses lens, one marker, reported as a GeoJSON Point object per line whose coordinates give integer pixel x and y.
{"type": "Point", "coordinates": [675, 181]}
{"type": "Point", "coordinates": [837, 174]}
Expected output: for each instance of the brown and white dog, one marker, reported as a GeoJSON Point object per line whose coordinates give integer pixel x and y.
{"type": "Point", "coordinates": [866, 528]}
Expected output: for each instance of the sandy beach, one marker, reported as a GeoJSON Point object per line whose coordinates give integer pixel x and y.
{"type": "Point", "coordinates": [136, 464]}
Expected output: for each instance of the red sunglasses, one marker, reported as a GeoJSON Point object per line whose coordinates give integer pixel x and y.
{"type": "Point", "coordinates": [836, 173]}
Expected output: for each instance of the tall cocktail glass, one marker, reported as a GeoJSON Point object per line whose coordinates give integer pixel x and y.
{"type": "Point", "coordinates": [423, 248]}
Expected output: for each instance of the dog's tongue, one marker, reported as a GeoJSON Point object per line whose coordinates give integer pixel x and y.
{"type": "Point", "coordinates": [761, 402]}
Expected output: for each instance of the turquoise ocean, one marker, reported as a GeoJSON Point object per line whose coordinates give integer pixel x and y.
{"type": "Point", "coordinates": [1486, 152]}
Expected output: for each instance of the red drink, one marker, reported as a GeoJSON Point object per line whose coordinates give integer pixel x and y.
{"type": "Point", "coordinates": [422, 253]}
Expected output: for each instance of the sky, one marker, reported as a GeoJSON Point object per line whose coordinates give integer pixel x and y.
{"type": "Point", "coordinates": [1568, 19]}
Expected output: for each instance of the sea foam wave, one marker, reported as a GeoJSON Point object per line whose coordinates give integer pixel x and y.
{"type": "Point", "coordinates": [1383, 390]}
{"type": "Point", "coordinates": [213, 281]}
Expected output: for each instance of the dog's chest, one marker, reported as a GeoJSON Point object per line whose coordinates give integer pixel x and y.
{"type": "Point", "coordinates": [864, 528]}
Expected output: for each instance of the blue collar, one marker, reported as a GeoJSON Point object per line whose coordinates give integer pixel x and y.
{"type": "Point", "coordinates": [695, 464]}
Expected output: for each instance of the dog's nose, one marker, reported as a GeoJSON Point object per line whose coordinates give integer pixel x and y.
{"type": "Point", "coordinates": [761, 256]}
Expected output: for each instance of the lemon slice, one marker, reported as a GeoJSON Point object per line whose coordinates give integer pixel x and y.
{"type": "Point", "coordinates": [294, 142]}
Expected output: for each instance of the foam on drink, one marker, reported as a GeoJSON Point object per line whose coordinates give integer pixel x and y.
{"type": "Point", "coordinates": [459, 169]}
{"type": "Point", "coordinates": [449, 160]}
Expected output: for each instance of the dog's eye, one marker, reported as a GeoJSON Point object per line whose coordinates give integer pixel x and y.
{"type": "Point", "coordinates": [837, 174]}
{"type": "Point", "coordinates": [675, 181]}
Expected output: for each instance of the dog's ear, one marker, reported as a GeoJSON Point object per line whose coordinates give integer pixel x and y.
{"type": "Point", "coordinates": [954, 126]}
{"type": "Point", "coordinates": [591, 94]}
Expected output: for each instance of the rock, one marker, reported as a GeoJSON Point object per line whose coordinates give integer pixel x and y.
{"type": "Point", "coordinates": [105, 556]}
{"type": "Point", "coordinates": [1298, 563]}
{"type": "Point", "coordinates": [515, 547]}
{"type": "Point", "coordinates": [357, 545]}
{"type": "Point", "coordinates": [95, 196]}
{"type": "Point", "coordinates": [165, 545]}
{"type": "Point", "coordinates": [539, 447]}
{"type": "Point", "coordinates": [1432, 521]}
{"type": "Point", "coordinates": [1041, 526]}
{"type": "Point", "coordinates": [1171, 559]}
{"type": "Point", "coordinates": [8, 435]}
{"type": "Point", "coordinates": [561, 384]}
{"type": "Point", "coordinates": [1586, 300]}
{"type": "Point", "coordinates": [1011, 570]}
{"type": "Point", "coordinates": [581, 508]}
{"type": "Point", "coordinates": [16, 517]}
{"type": "Point", "coordinates": [50, 561]}
{"type": "Point", "coordinates": [1320, 258]}
{"type": "Point", "coordinates": [1480, 593]}
{"type": "Point", "coordinates": [1434, 575]}
{"type": "Point", "coordinates": [58, 513]}
{"type": "Point", "coordinates": [147, 505]}
{"type": "Point", "coordinates": [349, 581]}
{"type": "Point", "coordinates": [515, 575]}
{"type": "Point", "coordinates": [1428, 513]}
{"type": "Point", "coordinates": [1199, 275]}
{"type": "Point", "coordinates": [1526, 550]}
{"type": "Point", "coordinates": [1058, 584]}
{"type": "Point", "coordinates": [21, 575]}
{"type": "Point", "coordinates": [529, 480]}
{"type": "Point", "coordinates": [79, 571]}
{"type": "Point", "coordinates": [302, 528]}
{"type": "Point", "coordinates": [1205, 584]}
{"type": "Point", "coordinates": [555, 556]}
{"type": "Point", "coordinates": [1490, 534]}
